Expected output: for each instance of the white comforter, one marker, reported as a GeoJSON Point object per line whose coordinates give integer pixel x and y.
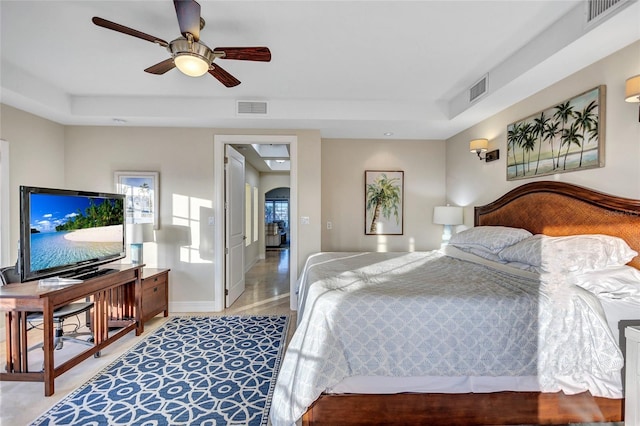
{"type": "Point", "coordinates": [427, 314]}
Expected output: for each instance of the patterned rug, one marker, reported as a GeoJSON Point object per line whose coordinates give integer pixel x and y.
{"type": "Point", "coordinates": [191, 371]}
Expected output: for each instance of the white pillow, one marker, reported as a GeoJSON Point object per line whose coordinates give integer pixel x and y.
{"type": "Point", "coordinates": [615, 283]}
{"type": "Point", "coordinates": [575, 253]}
{"type": "Point", "coordinates": [488, 238]}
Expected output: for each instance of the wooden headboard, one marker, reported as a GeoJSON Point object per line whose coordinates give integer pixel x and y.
{"type": "Point", "coordinates": [557, 209]}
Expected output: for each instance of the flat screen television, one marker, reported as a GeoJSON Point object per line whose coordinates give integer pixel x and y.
{"type": "Point", "coordinates": [66, 233]}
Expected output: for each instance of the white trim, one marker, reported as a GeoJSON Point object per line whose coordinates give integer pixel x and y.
{"type": "Point", "coordinates": [5, 201]}
{"type": "Point", "coordinates": [5, 213]}
{"type": "Point", "coordinates": [189, 306]}
{"type": "Point", "coordinates": [219, 141]}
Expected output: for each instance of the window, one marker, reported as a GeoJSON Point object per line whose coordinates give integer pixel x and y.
{"type": "Point", "coordinates": [276, 210]}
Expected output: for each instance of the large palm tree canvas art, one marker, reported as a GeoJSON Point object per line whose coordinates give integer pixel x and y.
{"type": "Point", "coordinates": [383, 202]}
{"type": "Point", "coordinates": [566, 137]}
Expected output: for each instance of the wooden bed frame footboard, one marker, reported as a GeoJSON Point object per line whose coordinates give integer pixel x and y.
{"type": "Point", "coordinates": [500, 408]}
{"type": "Point", "coordinates": [551, 208]}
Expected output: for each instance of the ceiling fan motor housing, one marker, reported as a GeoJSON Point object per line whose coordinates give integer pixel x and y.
{"type": "Point", "coordinates": [182, 46]}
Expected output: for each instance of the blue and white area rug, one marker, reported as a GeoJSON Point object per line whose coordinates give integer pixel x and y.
{"type": "Point", "coordinates": [191, 371]}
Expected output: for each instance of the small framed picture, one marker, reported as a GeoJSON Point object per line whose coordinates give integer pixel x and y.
{"type": "Point", "coordinates": [141, 190]}
{"type": "Point", "coordinates": [383, 201]}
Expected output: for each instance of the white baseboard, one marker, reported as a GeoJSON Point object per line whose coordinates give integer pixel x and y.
{"type": "Point", "coordinates": [192, 306]}
{"type": "Point", "coordinates": [250, 265]}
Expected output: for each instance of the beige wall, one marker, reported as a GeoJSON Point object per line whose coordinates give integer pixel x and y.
{"type": "Point", "coordinates": [471, 182]}
{"type": "Point", "coordinates": [37, 158]}
{"type": "Point", "coordinates": [184, 160]}
{"type": "Point", "coordinates": [344, 162]}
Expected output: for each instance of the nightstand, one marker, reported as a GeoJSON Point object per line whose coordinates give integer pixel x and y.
{"type": "Point", "coordinates": [155, 293]}
{"type": "Point", "coordinates": [632, 377]}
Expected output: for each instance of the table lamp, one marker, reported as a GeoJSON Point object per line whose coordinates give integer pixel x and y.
{"type": "Point", "coordinates": [447, 216]}
{"type": "Point", "coordinates": [140, 233]}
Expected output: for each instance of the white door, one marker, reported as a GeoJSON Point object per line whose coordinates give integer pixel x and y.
{"type": "Point", "coordinates": [234, 225]}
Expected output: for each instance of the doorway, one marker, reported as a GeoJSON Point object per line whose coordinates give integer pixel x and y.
{"type": "Point", "coordinates": [277, 218]}
{"type": "Point", "coordinates": [220, 141]}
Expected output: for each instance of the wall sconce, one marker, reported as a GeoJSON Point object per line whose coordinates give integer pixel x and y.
{"type": "Point", "coordinates": [139, 234]}
{"type": "Point", "coordinates": [447, 216]}
{"type": "Point", "coordinates": [479, 146]}
{"type": "Point", "coordinates": [632, 91]}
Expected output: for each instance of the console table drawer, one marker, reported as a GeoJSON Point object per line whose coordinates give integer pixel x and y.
{"type": "Point", "coordinates": [155, 292]}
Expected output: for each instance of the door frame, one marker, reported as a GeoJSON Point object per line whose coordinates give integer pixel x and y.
{"type": "Point", "coordinates": [219, 142]}
{"type": "Point", "coordinates": [5, 201]}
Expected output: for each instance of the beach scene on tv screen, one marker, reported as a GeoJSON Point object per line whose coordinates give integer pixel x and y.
{"type": "Point", "coordinates": [69, 229]}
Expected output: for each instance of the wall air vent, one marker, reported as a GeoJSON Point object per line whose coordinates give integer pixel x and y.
{"type": "Point", "coordinates": [596, 9]}
{"type": "Point", "coordinates": [251, 108]}
{"type": "Point", "coordinates": [478, 89]}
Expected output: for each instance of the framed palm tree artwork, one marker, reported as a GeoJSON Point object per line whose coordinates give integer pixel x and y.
{"type": "Point", "coordinates": [566, 137]}
{"type": "Point", "coordinates": [384, 198]}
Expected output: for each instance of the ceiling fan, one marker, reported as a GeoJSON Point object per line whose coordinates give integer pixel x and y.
{"type": "Point", "coordinates": [188, 53]}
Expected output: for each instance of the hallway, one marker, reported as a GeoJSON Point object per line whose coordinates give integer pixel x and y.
{"type": "Point", "coordinates": [266, 287]}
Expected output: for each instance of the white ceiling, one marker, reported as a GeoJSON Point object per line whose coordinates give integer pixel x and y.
{"type": "Point", "coordinates": [352, 69]}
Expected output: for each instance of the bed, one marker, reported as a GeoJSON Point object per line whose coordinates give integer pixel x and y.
{"type": "Point", "coordinates": [535, 355]}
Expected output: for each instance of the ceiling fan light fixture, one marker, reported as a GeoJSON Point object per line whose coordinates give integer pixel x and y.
{"type": "Point", "coordinates": [191, 65]}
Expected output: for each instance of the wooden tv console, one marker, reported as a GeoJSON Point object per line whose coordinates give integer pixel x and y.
{"type": "Point", "coordinates": [117, 298]}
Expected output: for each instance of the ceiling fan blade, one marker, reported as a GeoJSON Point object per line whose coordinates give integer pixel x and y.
{"type": "Point", "coordinates": [161, 67]}
{"type": "Point", "coordinates": [223, 76]}
{"type": "Point", "coordinates": [129, 31]}
{"type": "Point", "coordinates": [188, 13]}
{"type": "Point", "coordinates": [262, 54]}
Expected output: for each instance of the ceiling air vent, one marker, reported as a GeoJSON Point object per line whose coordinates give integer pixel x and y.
{"type": "Point", "coordinates": [596, 8]}
{"type": "Point", "coordinates": [251, 108]}
{"type": "Point", "coordinates": [478, 89]}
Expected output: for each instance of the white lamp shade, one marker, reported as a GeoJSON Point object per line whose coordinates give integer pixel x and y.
{"type": "Point", "coordinates": [140, 233]}
{"type": "Point", "coordinates": [632, 89]}
{"type": "Point", "coordinates": [447, 215]}
{"type": "Point", "coordinates": [478, 145]}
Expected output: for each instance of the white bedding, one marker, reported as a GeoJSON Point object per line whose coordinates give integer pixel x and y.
{"type": "Point", "coordinates": [322, 357]}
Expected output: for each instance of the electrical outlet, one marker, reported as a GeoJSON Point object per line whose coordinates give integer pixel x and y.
{"type": "Point", "coordinates": [304, 220]}
{"type": "Point", "coordinates": [329, 225]}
